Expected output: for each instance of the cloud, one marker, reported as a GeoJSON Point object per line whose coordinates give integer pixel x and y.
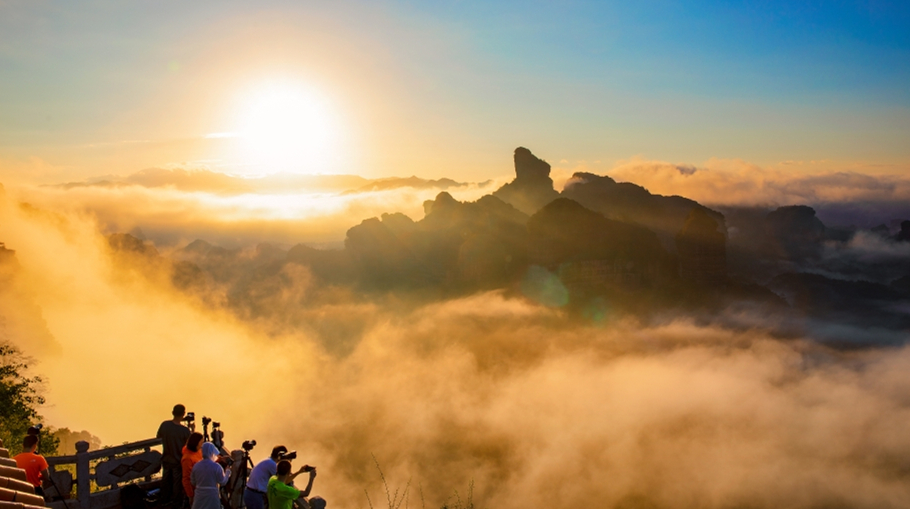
{"type": "Point", "coordinates": [871, 248]}
{"type": "Point", "coordinates": [172, 216]}
{"type": "Point", "coordinates": [30, 169]}
{"type": "Point", "coordinates": [737, 182]}
{"type": "Point", "coordinates": [867, 256]}
{"type": "Point", "coordinates": [528, 402]}
{"type": "Point", "coordinates": [671, 416]}
{"type": "Point", "coordinates": [196, 177]}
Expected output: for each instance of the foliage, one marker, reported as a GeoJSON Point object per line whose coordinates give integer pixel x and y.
{"type": "Point", "coordinates": [20, 397]}
{"type": "Point", "coordinates": [68, 439]}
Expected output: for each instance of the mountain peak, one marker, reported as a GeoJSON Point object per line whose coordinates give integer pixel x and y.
{"type": "Point", "coordinates": [532, 187]}
{"type": "Point", "coordinates": [530, 167]}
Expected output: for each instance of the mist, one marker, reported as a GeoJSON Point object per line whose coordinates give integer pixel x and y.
{"type": "Point", "coordinates": [172, 216]}
{"type": "Point", "coordinates": [525, 402]}
{"type": "Point", "coordinates": [842, 196]}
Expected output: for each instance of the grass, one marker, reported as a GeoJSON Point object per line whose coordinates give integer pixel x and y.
{"type": "Point", "coordinates": [396, 498]}
{"type": "Point", "coordinates": [458, 503]}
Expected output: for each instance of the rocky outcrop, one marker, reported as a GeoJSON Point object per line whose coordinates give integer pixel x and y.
{"type": "Point", "coordinates": [532, 187]}
{"type": "Point", "coordinates": [383, 255]}
{"type": "Point", "coordinates": [795, 233]}
{"type": "Point", "coordinates": [702, 250]}
{"type": "Point", "coordinates": [904, 234]}
{"type": "Point", "coordinates": [457, 244]}
{"type": "Point", "coordinates": [624, 201]}
{"type": "Point", "coordinates": [124, 242]}
{"type": "Point", "coordinates": [860, 303]}
{"type": "Point", "coordinates": [591, 250]}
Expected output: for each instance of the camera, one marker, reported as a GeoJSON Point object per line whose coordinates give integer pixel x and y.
{"type": "Point", "coordinates": [225, 461]}
{"type": "Point", "coordinates": [308, 468]}
{"type": "Point", "coordinates": [215, 424]}
{"type": "Point", "coordinates": [218, 438]}
{"type": "Point", "coordinates": [290, 455]}
{"type": "Point", "coordinates": [190, 417]}
{"type": "Point", "coordinates": [206, 420]}
{"type": "Point", "coordinates": [248, 445]}
{"type": "Point", "coordinates": [35, 430]}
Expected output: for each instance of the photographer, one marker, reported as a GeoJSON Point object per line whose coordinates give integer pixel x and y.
{"type": "Point", "coordinates": [192, 454]}
{"type": "Point", "coordinates": [207, 478]}
{"type": "Point", "coordinates": [173, 435]}
{"type": "Point", "coordinates": [282, 495]}
{"type": "Point", "coordinates": [255, 495]}
{"type": "Point", "coordinates": [34, 464]}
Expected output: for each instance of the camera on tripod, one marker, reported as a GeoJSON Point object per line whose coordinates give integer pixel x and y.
{"type": "Point", "coordinates": [217, 436]}
{"type": "Point", "coordinates": [35, 430]}
{"type": "Point", "coordinates": [290, 455]}
{"type": "Point", "coordinates": [248, 445]}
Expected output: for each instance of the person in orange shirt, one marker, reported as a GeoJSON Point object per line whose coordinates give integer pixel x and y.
{"type": "Point", "coordinates": [191, 455]}
{"type": "Point", "coordinates": [34, 464]}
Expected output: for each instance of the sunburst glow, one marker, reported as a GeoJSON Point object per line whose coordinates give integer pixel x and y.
{"type": "Point", "coordinates": [288, 127]}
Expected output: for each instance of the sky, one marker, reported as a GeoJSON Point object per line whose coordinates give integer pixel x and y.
{"type": "Point", "coordinates": [758, 103]}
{"type": "Point", "coordinates": [398, 88]}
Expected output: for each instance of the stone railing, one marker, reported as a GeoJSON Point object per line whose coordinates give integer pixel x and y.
{"type": "Point", "coordinates": [105, 468]}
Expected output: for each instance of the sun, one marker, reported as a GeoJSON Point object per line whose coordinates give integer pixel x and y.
{"type": "Point", "coordinates": [288, 127]}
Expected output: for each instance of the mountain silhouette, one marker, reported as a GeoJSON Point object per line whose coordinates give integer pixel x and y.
{"type": "Point", "coordinates": [794, 233]}
{"type": "Point", "coordinates": [413, 182]}
{"type": "Point", "coordinates": [623, 201]}
{"type": "Point", "coordinates": [635, 251]}
{"type": "Point", "coordinates": [455, 243]}
{"type": "Point", "coordinates": [702, 250]}
{"type": "Point", "coordinates": [591, 250]}
{"type": "Point", "coordinates": [532, 187]}
{"type": "Point", "coordinates": [860, 303]}
{"type": "Point", "coordinates": [904, 234]}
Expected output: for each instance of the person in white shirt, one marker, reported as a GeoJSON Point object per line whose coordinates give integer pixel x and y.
{"type": "Point", "coordinates": [207, 478]}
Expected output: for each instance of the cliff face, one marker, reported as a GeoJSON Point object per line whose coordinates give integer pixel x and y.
{"type": "Point", "coordinates": [702, 250]}
{"type": "Point", "coordinates": [794, 233]}
{"type": "Point", "coordinates": [623, 201]}
{"type": "Point", "coordinates": [904, 234]}
{"type": "Point", "coordinates": [479, 244]}
{"type": "Point", "coordinates": [583, 244]}
{"type": "Point", "coordinates": [532, 187]}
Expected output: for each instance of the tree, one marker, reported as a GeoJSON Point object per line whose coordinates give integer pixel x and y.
{"type": "Point", "coordinates": [20, 397]}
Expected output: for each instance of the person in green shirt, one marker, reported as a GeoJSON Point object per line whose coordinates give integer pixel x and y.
{"type": "Point", "coordinates": [280, 491]}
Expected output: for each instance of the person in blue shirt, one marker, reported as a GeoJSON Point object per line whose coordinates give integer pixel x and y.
{"type": "Point", "coordinates": [254, 496]}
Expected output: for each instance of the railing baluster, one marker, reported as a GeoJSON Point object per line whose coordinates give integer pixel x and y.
{"type": "Point", "coordinates": [83, 476]}
{"type": "Point", "coordinates": [85, 473]}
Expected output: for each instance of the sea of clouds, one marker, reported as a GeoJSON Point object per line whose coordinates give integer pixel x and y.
{"type": "Point", "coordinates": [517, 403]}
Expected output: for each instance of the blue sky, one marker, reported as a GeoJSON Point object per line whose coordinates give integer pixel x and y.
{"type": "Point", "coordinates": [450, 88]}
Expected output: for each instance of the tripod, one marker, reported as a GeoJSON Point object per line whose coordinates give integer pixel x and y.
{"type": "Point", "coordinates": [217, 436]}
{"type": "Point", "coordinates": [238, 486]}
{"type": "Point", "coordinates": [59, 493]}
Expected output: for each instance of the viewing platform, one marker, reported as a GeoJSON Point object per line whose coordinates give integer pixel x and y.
{"type": "Point", "coordinates": [97, 477]}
